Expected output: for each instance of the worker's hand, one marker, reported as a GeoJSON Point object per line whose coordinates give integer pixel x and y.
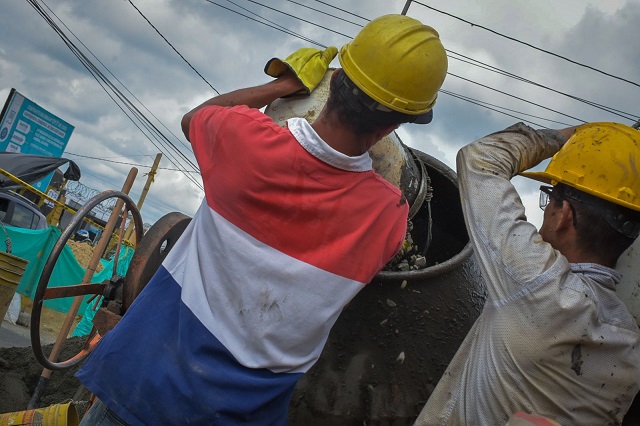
{"type": "Point", "coordinates": [308, 64]}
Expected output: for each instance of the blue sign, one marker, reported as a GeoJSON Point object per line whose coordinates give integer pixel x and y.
{"type": "Point", "coordinates": [28, 128]}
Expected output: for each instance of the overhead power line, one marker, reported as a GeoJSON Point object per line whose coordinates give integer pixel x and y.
{"type": "Point", "coordinates": [342, 10]}
{"type": "Point", "coordinates": [528, 44]}
{"type": "Point", "coordinates": [171, 45]}
{"type": "Point", "coordinates": [476, 63]}
{"type": "Point", "coordinates": [325, 13]}
{"type": "Point", "coordinates": [503, 110]}
{"type": "Point", "coordinates": [111, 89]}
{"type": "Point", "coordinates": [129, 164]}
{"type": "Point", "coordinates": [516, 97]}
{"type": "Point", "coordinates": [499, 108]}
{"type": "Point", "coordinates": [463, 98]}
{"type": "Point", "coordinates": [458, 56]}
{"type": "Point", "coordinates": [298, 18]}
{"type": "Point", "coordinates": [268, 24]}
{"type": "Point", "coordinates": [285, 30]}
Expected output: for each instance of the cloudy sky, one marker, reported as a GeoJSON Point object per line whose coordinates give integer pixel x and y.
{"type": "Point", "coordinates": [546, 62]}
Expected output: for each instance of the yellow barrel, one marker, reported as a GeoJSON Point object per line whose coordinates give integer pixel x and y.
{"type": "Point", "coordinates": [53, 415]}
{"type": "Point", "coordinates": [11, 270]}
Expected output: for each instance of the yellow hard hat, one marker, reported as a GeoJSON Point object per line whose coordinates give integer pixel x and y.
{"type": "Point", "coordinates": [601, 159]}
{"type": "Point", "coordinates": [398, 62]}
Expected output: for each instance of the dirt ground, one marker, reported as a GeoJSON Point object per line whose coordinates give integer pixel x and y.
{"type": "Point", "coordinates": [20, 371]}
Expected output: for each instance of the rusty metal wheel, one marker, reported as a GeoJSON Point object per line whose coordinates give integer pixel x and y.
{"type": "Point", "coordinates": [151, 252]}
{"type": "Point", "coordinates": [43, 293]}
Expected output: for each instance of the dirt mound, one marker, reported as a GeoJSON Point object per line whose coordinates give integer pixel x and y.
{"type": "Point", "coordinates": [20, 373]}
{"type": "Point", "coordinates": [83, 252]}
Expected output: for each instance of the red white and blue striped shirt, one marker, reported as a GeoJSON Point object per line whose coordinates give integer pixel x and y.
{"type": "Point", "coordinates": [288, 233]}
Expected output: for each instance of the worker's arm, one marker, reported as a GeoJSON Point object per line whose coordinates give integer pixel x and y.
{"type": "Point", "coordinates": [253, 97]}
{"type": "Point", "coordinates": [510, 251]}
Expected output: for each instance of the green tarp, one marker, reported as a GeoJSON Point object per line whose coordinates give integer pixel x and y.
{"type": "Point", "coordinates": [36, 245]}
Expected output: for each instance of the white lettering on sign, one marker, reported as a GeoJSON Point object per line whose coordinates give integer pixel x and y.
{"type": "Point", "coordinates": [23, 126]}
{"type": "Point", "coordinates": [44, 124]}
{"type": "Point", "coordinates": [18, 138]}
{"type": "Point", "coordinates": [12, 147]}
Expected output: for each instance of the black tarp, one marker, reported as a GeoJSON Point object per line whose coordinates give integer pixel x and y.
{"type": "Point", "coordinates": [32, 168]}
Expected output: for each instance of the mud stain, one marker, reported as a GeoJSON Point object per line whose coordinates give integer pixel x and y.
{"type": "Point", "coordinates": [576, 359]}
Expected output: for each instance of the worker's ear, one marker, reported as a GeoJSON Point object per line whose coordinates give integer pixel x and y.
{"type": "Point", "coordinates": [565, 217]}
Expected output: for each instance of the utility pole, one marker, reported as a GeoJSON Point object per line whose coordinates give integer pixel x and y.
{"type": "Point", "coordinates": [406, 7]}
{"type": "Point", "coordinates": [151, 175]}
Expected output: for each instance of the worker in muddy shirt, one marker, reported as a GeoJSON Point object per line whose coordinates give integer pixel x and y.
{"type": "Point", "coordinates": [293, 225]}
{"type": "Point", "coordinates": [553, 338]}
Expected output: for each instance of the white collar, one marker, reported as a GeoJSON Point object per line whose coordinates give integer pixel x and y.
{"type": "Point", "coordinates": [310, 141]}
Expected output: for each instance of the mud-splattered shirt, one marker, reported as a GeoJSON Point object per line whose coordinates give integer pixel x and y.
{"type": "Point", "coordinates": [553, 338]}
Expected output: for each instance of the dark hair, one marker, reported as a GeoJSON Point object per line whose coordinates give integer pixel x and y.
{"type": "Point", "coordinates": [350, 109]}
{"type": "Point", "coordinates": [599, 223]}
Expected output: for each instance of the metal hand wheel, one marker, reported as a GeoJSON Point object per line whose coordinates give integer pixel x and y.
{"type": "Point", "coordinates": [44, 293]}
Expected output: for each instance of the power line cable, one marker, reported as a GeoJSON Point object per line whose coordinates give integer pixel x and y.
{"type": "Point", "coordinates": [614, 111]}
{"type": "Point", "coordinates": [343, 10]}
{"type": "Point", "coordinates": [129, 164]}
{"type": "Point", "coordinates": [480, 103]}
{"type": "Point", "coordinates": [274, 26]}
{"type": "Point", "coordinates": [298, 18]}
{"type": "Point", "coordinates": [101, 78]}
{"type": "Point", "coordinates": [528, 44]}
{"type": "Point", "coordinates": [516, 97]}
{"type": "Point", "coordinates": [524, 100]}
{"type": "Point", "coordinates": [325, 13]}
{"type": "Point", "coordinates": [97, 73]}
{"type": "Point", "coordinates": [485, 104]}
{"type": "Point", "coordinates": [493, 109]}
{"type": "Point", "coordinates": [286, 30]}
{"type": "Point", "coordinates": [611, 110]}
{"type": "Point", "coordinates": [139, 101]}
{"type": "Point", "coordinates": [479, 64]}
{"type": "Point", "coordinates": [171, 45]}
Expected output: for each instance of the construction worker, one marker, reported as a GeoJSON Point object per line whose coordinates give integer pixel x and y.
{"type": "Point", "coordinates": [553, 338]}
{"type": "Point", "coordinates": [293, 225]}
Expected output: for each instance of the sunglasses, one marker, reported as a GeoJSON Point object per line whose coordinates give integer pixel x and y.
{"type": "Point", "coordinates": [546, 196]}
